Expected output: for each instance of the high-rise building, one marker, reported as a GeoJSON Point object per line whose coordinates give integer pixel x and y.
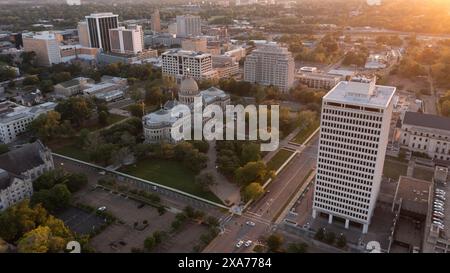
{"type": "Point", "coordinates": [188, 25]}
{"type": "Point", "coordinates": [99, 25]}
{"type": "Point", "coordinates": [83, 34]}
{"type": "Point", "coordinates": [156, 21]}
{"type": "Point", "coordinates": [270, 64]}
{"type": "Point", "coordinates": [194, 44]}
{"type": "Point", "coordinates": [45, 45]}
{"type": "Point", "coordinates": [181, 63]}
{"type": "Point", "coordinates": [126, 41]}
{"type": "Point", "coordinates": [354, 134]}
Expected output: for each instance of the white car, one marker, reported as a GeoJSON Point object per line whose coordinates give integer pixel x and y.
{"type": "Point", "coordinates": [101, 208]}
{"type": "Point", "coordinates": [239, 244]}
{"type": "Point", "coordinates": [250, 223]}
{"type": "Point", "coordinates": [248, 243]}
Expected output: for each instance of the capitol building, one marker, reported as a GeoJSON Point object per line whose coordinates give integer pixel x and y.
{"type": "Point", "coordinates": [157, 125]}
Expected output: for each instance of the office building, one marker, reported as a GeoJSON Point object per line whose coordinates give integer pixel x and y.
{"type": "Point", "coordinates": [426, 134]}
{"type": "Point", "coordinates": [318, 80]}
{"type": "Point", "coordinates": [188, 25]}
{"type": "Point", "coordinates": [353, 138]}
{"type": "Point", "coordinates": [99, 25]}
{"type": "Point", "coordinates": [156, 21]}
{"type": "Point", "coordinates": [15, 119]}
{"type": "Point", "coordinates": [270, 64]}
{"type": "Point", "coordinates": [180, 63]}
{"type": "Point", "coordinates": [83, 34]}
{"type": "Point", "coordinates": [45, 45]}
{"type": "Point", "coordinates": [127, 41]}
{"type": "Point", "coordinates": [194, 44]}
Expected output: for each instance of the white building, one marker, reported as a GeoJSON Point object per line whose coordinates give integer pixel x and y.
{"type": "Point", "coordinates": [353, 139]}
{"type": "Point", "coordinates": [19, 168]}
{"type": "Point", "coordinates": [15, 119]}
{"type": "Point", "coordinates": [318, 80]}
{"type": "Point", "coordinates": [188, 25]}
{"type": "Point", "coordinates": [270, 64]}
{"type": "Point", "coordinates": [72, 87]}
{"type": "Point", "coordinates": [158, 125]}
{"type": "Point", "coordinates": [427, 134]}
{"type": "Point", "coordinates": [127, 41]}
{"type": "Point", "coordinates": [45, 45]}
{"type": "Point", "coordinates": [181, 63]}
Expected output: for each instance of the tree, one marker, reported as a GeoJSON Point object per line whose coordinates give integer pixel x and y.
{"type": "Point", "coordinates": [153, 95]}
{"type": "Point", "coordinates": [35, 241]}
{"type": "Point", "coordinates": [251, 172]}
{"type": "Point", "coordinates": [250, 152]}
{"type": "Point", "coordinates": [149, 243]}
{"type": "Point", "coordinates": [46, 86]}
{"type": "Point", "coordinates": [58, 197]}
{"type": "Point", "coordinates": [103, 118]}
{"type": "Point", "coordinates": [3, 148]}
{"type": "Point", "coordinates": [136, 110]}
{"type": "Point", "coordinates": [297, 248]}
{"type": "Point", "coordinates": [205, 180]}
{"type": "Point", "coordinates": [76, 181]}
{"type": "Point", "coordinates": [75, 109]}
{"type": "Point", "coordinates": [31, 80]}
{"type": "Point", "coordinates": [330, 237]}
{"type": "Point", "coordinates": [7, 73]}
{"type": "Point", "coordinates": [159, 236]}
{"type": "Point", "coordinates": [253, 191]}
{"type": "Point", "coordinates": [274, 242]}
{"type": "Point", "coordinates": [306, 118]}
{"type": "Point", "coordinates": [47, 126]}
{"type": "Point", "coordinates": [61, 77]}
{"type": "Point", "coordinates": [341, 241]}
{"type": "Point", "coordinates": [320, 234]}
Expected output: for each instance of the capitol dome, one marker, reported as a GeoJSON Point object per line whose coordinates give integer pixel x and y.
{"type": "Point", "coordinates": [189, 86]}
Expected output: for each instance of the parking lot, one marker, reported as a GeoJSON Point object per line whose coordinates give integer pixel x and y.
{"type": "Point", "coordinates": [123, 236]}
{"type": "Point", "coordinates": [80, 221]}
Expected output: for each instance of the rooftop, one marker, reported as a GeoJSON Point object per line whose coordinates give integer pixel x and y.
{"type": "Point", "coordinates": [187, 53]}
{"type": "Point", "coordinates": [361, 93]}
{"type": "Point", "coordinates": [414, 193]}
{"type": "Point", "coordinates": [29, 156]}
{"type": "Point", "coordinates": [427, 120]}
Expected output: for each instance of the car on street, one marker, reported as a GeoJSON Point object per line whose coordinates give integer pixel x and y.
{"type": "Point", "coordinates": [239, 244]}
{"type": "Point", "coordinates": [250, 223]}
{"type": "Point", "coordinates": [101, 208]}
{"type": "Point", "coordinates": [248, 243]}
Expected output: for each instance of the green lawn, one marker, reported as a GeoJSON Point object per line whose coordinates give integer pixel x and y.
{"type": "Point", "coordinates": [423, 173]}
{"type": "Point", "coordinates": [71, 150]}
{"type": "Point", "coordinates": [278, 159]}
{"type": "Point", "coordinates": [112, 118]}
{"type": "Point", "coordinates": [394, 169]}
{"type": "Point", "coordinates": [169, 173]}
{"type": "Point", "coordinates": [305, 133]}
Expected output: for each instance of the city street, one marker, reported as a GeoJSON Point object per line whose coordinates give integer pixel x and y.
{"type": "Point", "coordinates": [268, 207]}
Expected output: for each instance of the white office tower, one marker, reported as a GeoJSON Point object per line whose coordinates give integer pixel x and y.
{"type": "Point", "coordinates": [46, 46]}
{"type": "Point", "coordinates": [178, 63]}
{"type": "Point", "coordinates": [99, 25]}
{"type": "Point", "coordinates": [188, 25]}
{"type": "Point", "coordinates": [83, 34]}
{"type": "Point", "coordinates": [126, 41]}
{"type": "Point", "coordinates": [353, 138]}
{"type": "Point", "coordinates": [270, 64]}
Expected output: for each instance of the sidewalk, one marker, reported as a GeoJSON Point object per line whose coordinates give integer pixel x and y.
{"type": "Point", "coordinates": [222, 188]}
